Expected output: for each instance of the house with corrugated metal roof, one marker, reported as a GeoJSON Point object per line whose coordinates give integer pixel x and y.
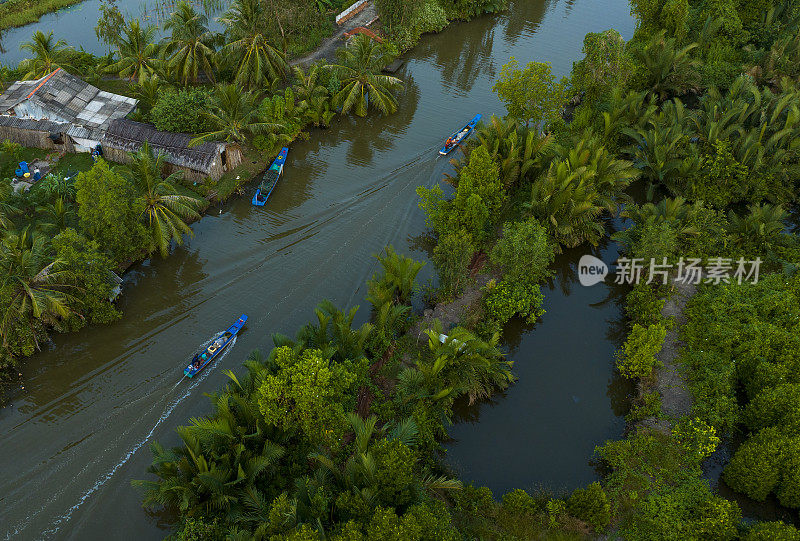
{"type": "Point", "coordinates": [59, 111]}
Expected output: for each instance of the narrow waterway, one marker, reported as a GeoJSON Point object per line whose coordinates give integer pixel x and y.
{"type": "Point", "coordinates": [540, 435]}
{"type": "Point", "coordinates": [78, 434]}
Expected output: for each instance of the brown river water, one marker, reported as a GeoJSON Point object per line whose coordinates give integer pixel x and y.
{"type": "Point", "coordinates": [78, 433]}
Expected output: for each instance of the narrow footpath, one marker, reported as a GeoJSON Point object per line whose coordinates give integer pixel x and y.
{"type": "Point", "coordinates": [327, 49]}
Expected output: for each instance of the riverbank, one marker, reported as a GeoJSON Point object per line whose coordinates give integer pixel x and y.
{"type": "Point", "coordinates": [16, 13]}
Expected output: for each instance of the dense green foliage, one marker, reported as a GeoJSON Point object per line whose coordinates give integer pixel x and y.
{"type": "Point", "coordinates": [746, 337]}
{"type": "Point", "coordinates": [404, 21]}
{"type": "Point", "coordinates": [285, 454]}
{"type": "Point", "coordinates": [181, 110]}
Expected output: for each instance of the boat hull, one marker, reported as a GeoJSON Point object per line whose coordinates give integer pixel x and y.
{"type": "Point", "coordinates": [461, 135]}
{"type": "Point", "coordinates": [216, 347]}
{"type": "Point", "coordinates": [270, 179]}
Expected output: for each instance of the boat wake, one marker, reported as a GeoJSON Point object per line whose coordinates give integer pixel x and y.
{"type": "Point", "coordinates": [166, 412]}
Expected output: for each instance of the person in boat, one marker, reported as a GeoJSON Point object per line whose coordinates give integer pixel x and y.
{"type": "Point", "coordinates": [196, 361]}
{"type": "Point", "coordinates": [450, 142]}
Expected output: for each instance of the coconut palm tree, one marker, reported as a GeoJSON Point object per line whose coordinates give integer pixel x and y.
{"type": "Point", "coordinates": [334, 334]}
{"type": "Point", "coordinates": [148, 92]}
{"type": "Point", "coordinates": [7, 208]}
{"type": "Point", "coordinates": [235, 116]}
{"type": "Point", "coordinates": [58, 215]}
{"type": "Point", "coordinates": [257, 60]}
{"type": "Point", "coordinates": [314, 98]}
{"type": "Point", "coordinates": [672, 210]}
{"type": "Point", "coordinates": [520, 152]}
{"type": "Point", "coordinates": [189, 49]}
{"type": "Point", "coordinates": [459, 364]}
{"type": "Point", "coordinates": [359, 474]}
{"type": "Point", "coordinates": [138, 53]}
{"type": "Point", "coordinates": [363, 85]}
{"type": "Point", "coordinates": [760, 226]}
{"type": "Point", "coordinates": [164, 208]}
{"type": "Point", "coordinates": [47, 55]}
{"type": "Point", "coordinates": [37, 286]}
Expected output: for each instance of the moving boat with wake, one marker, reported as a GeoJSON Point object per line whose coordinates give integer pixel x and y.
{"type": "Point", "coordinates": [456, 138]}
{"type": "Point", "coordinates": [200, 360]}
{"type": "Point", "coordinates": [270, 179]}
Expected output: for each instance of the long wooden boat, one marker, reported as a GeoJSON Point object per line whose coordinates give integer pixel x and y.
{"type": "Point", "coordinates": [270, 179]}
{"type": "Point", "coordinates": [200, 360]}
{"type": "Point", "coordinates": [457, 137]}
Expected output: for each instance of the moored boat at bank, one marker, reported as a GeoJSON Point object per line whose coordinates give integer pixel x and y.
{"type": "Point", "coordinates": [270, 179]}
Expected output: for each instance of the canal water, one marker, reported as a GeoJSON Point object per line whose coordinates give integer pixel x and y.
{"type": "Point", "coordinates": [75, 25]}
{"type": "Point", "coordinates": [78, 433]}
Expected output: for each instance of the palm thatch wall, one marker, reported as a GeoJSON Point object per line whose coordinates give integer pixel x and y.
{"type": "Point", "coordinates": [43, 134]}
{"type": "Point", "coordinates": [208, 160]}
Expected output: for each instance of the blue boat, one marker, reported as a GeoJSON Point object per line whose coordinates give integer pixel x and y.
{"type": "Point", "coordinates": [200, 360]}
{"type": "Point", "coordinates": [270, 179]}
{"type": "Point", "coordinates": [456, 138]}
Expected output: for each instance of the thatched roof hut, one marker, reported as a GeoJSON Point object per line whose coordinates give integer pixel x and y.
{"type": "Point", "coordinates": [211, 159]}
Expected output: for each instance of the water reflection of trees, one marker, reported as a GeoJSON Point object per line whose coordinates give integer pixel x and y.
{"type": "Point", "coordinates": [524, 16]}
{"type": "Point", "coordinates": [463, 54]}
{"type": "Point", "coordinates": [464, 412]}
{"type": "Point", "coordinates": [424, 243]}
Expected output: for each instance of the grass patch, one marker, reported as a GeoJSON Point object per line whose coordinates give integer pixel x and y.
{"type": "Point", "coordinates": [9, 162]}
{"type": "Point", "coordinates": [72, 164]}
{"type": "Point", "coordinates": [16, 13]}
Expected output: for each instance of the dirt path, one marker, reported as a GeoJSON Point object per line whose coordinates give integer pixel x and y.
{"type": "Point", "coordinates": [327, 49]}
{"type": "Point", "coordinates": [670, 382]}
{"type": "Point", "coordinates": [450, 313]}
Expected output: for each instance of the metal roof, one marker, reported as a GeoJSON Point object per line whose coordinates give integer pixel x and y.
{"type": "Point", "coordinates": [34, 125]}
{"type": "Point", "coordinates": [64, 97]}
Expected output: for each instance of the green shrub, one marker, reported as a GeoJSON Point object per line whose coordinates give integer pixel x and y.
{"type": "Point", "coordinates": [645, 405]}
{"type": "Point", "coordinates": [643, 305]}
{"type": "Point", "coordinates": [524, 252]}
{"type": "Point", "coordinates": [637, 358]}
{"type": "Point", "coordinates": [505, 300]}
{"type": "Point", "coordinates": [772, 531]}
{"type": "Point", "coordinates": [697, 437]}
{"type": "Point", "coordinates": [452, 256]}
{"type": "Point", "coordinates": [200, 530]}
{"type": "Point", "coordinates": [556, 512]}
{"type": "Point", "coordinates": [689, 511]}
{"type": "Point", "coordinates": [519, 502]}
{"type": "Point", "coordinates": [182, 111]}
{"type": "Point", "coordinates": [591, 505]}
{"type": "Point", "coordinates": [721, 179]}
{"type": "Point", "coordinates": [775, 406]}
{"type": "Point", "coordinates": [755, 467]}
